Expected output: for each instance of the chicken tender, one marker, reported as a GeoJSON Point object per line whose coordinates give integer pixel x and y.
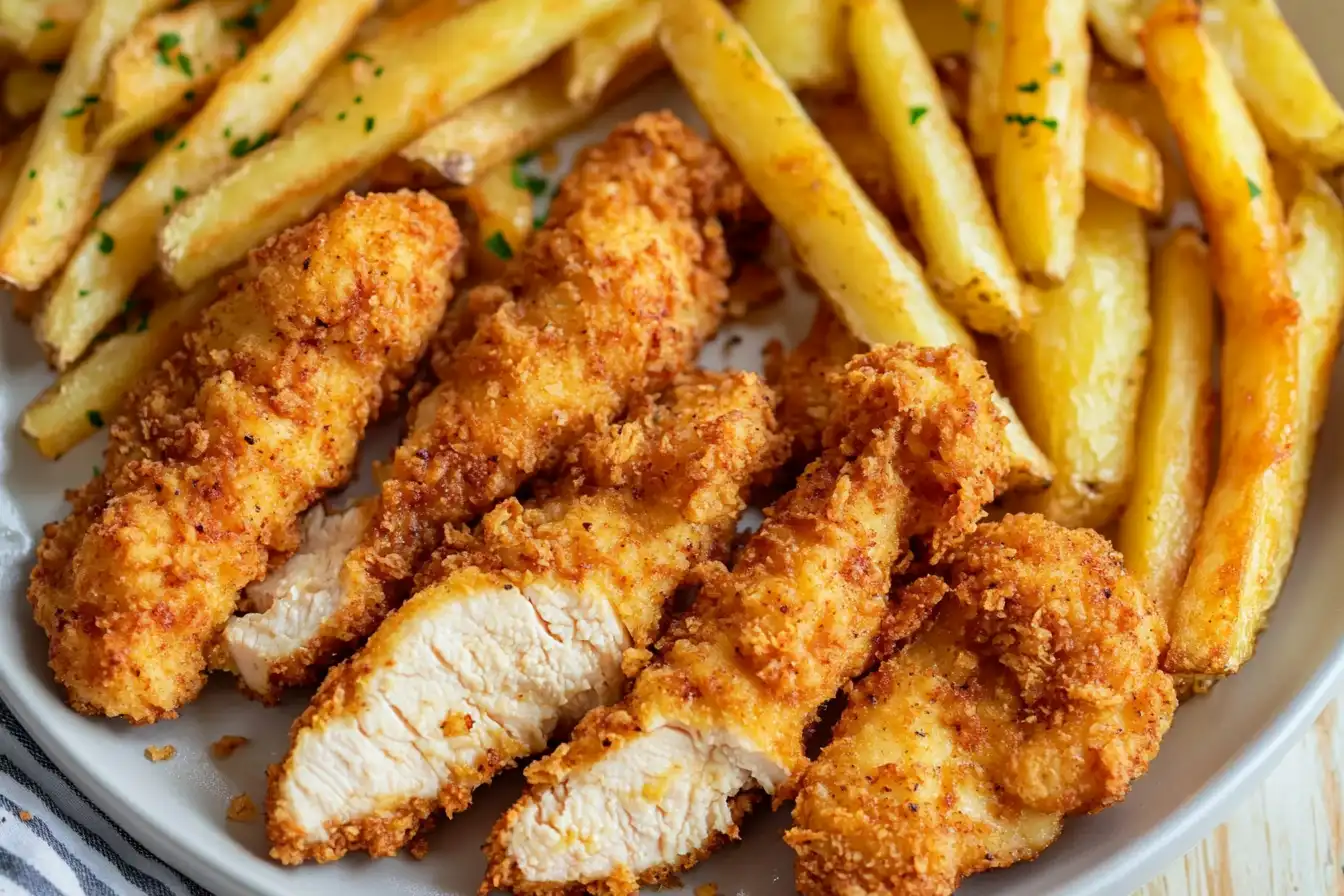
{"type": "Point", "coordinates": [1032, 693]}
{"type": "Point", "coordinates": [224, 446]}
{"type": "Point", "coordinates": [611, 299]}
{"type": "Point", "coordinates": [800, 375]}
{"type": "Point", "coordinates": [652, 785]}
{"type": "Point", "coordinates": [521, 628]}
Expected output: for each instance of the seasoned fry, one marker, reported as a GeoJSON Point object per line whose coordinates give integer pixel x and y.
{"type": "Point", "coordinates": [1121, 160]}
{"type": "Point", "coordinates": [73, 407]}
{"type": "Point", "coordinates": [984, 105]}
{"type": "Point", "coordinates": [42, 30]}
{"type": "Point", "coordinates": [1247, 522]}
{"type": "Point", "coordinates": [1077, 373]}
{"type": "Point", "coordinates": [1175, 437]}
{"type": "Point", "coordinates": [433, 73]}
{"type": "Point", "coordinates": [1038, 174]}
{"type": "Point", "coordinates": [241, 115]}
{"type": "Point", "coordinates": [162, 68]}
{"type": "Point", "coordinates": [603, 50]}
{"type": "Point", "coordinates": [850, 132]}
{"type": "Point", "coordinates": [27, 91]}
{"type": "Point", "coordinates": [969, 266]}
{"type": "Point", "coordinates": [843, 241]}
{"type": "Point", "coordinates": [57, 196]}
{"type": "Point", "coordinates": [804, 40]}
{"type": "Point", "coordinates": [1291, 105]}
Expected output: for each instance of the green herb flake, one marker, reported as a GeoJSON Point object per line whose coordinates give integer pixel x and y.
{"type": "Point", "coordinates": [970, 15]}
{"type": "Point", "coordinates": [916, 113]}
{"type": "Point", "coordinates": [499, 246]}
{"type": "Point", "coordinates": [378, 72]}
{"type": "Point", "coordinates": [105, 242]}
{"type": "Point", "coordinates": [96, 472]}
{"type": "Point", "coordinates": [355, 55]}
{"type": "Point", "coordinates": [1051, 123]}
{"type": "Point", "coordinates": [1056, 68]}
{"type": "Point", "coordinates": [529, 182]}
{"type": "Point", "coordinates": [538, 222]}
{"type": "Point", "coordinates": [182, 144]}
{"type": "Point", "coordinates": [359, 99]}
{"type": "Point", "coordinates": [1254, 188]}
{"type": "Point", "coordinates": [184, 63]}
{"type": "Point", "coordinates": [179, 194]}
{"type": "Point", "coordinates": [95, 419]}
{"type": "Point", "coordinates": [32, 173]}
{"type": "Point", "coordinates": [1032, 86]}
{"type": "Point", "coordinates": [46, 25]}
{"type": "Point", "coordinates": [368, 124]}
{"type": "Point", "coordinates": [168, 40]}
{"type": "Point", "coordinates": [340, 116]}
{"type": "Point", "coordinates": [721, 36]}
{"type": "Point", "coordinates": [525, 158]}
{"type": "Point", "coordinates": [83, 293]}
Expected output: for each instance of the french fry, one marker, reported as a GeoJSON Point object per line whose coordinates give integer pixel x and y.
{"type": "Point", "coordinates": [850, 132]}
{"type": "Point", "coordinates": [1246, 525]}
{"type": "Point", "coordinates": [432, 74]}
{"type": "Point", "coordinates": [27, 91]}
{"type": "Point", "coordinates": [1291, 105]}
{"type": "Point", "coordinates": [1117, 24]}
{"type": "Point", "coordinates": [164, 66]}
{"type": "Point", "coordinates": [984, 105]}
{"type": "Point", "coordinates": [1121, 160]}
{"type": "Point", "coordinates": [59, 191]}
{"type": "Point", "coordinates": [1038, 174]}
{"type": "Point", "coordinates": [1136, 100]}
{"type": "Point", "coordinates": [845, 244]}
{"type": "Point", "coordinates": [503, 209]}
{"type": "Point", "coordinates": [803, 39]}
{"type": "Point", "coordinates": [90, 393]}
{"type": "Point", "coordinates": [12, 158]}
{"type": "Point", "coordinates": [42, 30]}
{"type": "Point", "coordinates": [1077, 373]}
{"type": "Point", "coordinates": [1175, 436]}
{"type": "Point", "coordinates": [969, 266]}
{"type": "Point", "coordinates": [250, 102]}
{"type": "Point", "coordinates": [606, 48]}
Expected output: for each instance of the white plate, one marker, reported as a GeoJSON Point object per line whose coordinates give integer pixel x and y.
{"type": "Point", "coordinates": [1218, 747]}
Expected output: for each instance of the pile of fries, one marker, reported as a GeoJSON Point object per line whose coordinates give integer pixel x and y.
{"type": "Point", "coordinates": [947, 171]}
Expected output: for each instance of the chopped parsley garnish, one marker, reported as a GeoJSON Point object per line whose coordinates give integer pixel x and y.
{"type": "Point", "coordinates": [105, 242]}
{"type": "Point", "coordinates": [538, 222]}
{"type": "Point", "coordinates": [1254, 188]}
{"type": "Point", "coordinates": [249, 21]}
{"type": "Point", "coordinates": [95, 419]}
{"type": "Point", "coordinates": [1031, 86]}
{"type": "Point", "coordinates": [89, 100]}
{"type": "Point", "coordinates": [916, 113]}
{"type": "Point", "coordinates": [970, 15]}
{"type": "Point", "coordinates": [340, 116]}
{"type": "Point", "coordinates": [721, 35]}
{"type": "Point", "coordinates": [368, 124]}
{"type": "Point", "coordinates": [182, 144]}
{"type": "Point", "coordinates": [355, 54]}
{"type": "Point", "coordinates": [499, 246]}
{"type": "Point", "coordinates": [96, 471]}
{"type": "Point", "coordinates": [184, 63]}
{"type": "Point", "coordinates": [168, 40]}
{"type": "Point", "coordinates": [242, 146]}
{"type": "Point", "coordinates": [83, 293]}
{"type": "Point", "coordinates": [378, 72]}
{"type": "Point", "coordinates": [1050, 123]}
{"type": "Point", "coordinates": [46, 25]}
{"type": "Point", "coordinates": [526, 157]}
{"type": "Point", "coordinates": [32, 173]}
{"type": "Point", "coordinates": [529, 182]}
{"type": "Point", "coordinates": [1019, 119]}
{"type": "Point", "coordinates": [1056, 68]}
{"type": "Point", "coordinates": [179, 194]}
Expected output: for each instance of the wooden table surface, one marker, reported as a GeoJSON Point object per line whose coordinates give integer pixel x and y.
{"type": "Point", "coordinates": [1286, 838]}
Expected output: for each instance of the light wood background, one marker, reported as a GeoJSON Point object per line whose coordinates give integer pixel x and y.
{"type": "Point", "coordinates": [1287, 839]}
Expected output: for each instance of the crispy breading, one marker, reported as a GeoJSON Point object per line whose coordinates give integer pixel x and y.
{"type": "Point", "coordinates": [640, 504]}
{"type": "Point", "coordinates": [805, 396]}
{"type": "Point", "coordinates": [611, 299]}
{"type": "Point", "coordinates": [914, 448]}
{"type": "Point", "coordinates": [1033, 693]}
{"type": "Point", "coordinates": [223, 447]}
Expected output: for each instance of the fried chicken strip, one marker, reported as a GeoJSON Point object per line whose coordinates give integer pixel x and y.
{"type": "Point", "coordinates": [611, 299]}
{"type": "Point", "coordinates": [229, 441]}
{"type": "Point", "coordinates": [520, 629]}
{"type": "Point", "coordinates": [652, 785]}
{"type": "Point", "coordinates": [805, 396]}
{"type": "Point", "coordinates": [1033, 693]}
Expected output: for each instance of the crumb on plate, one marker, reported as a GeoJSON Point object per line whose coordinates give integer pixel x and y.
{"type": "Point", "coordinates": [707, 890]}
{"type": "Point", "coordinates": [227, 745]}
{"type": "Point", "coordinates": [241, 808]}
{"type": "Point", "coordinates": [25, 815]}
{"type": "Point", "coordinates": [160, 754]}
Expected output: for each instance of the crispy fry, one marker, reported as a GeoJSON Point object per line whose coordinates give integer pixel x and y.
{"type": "Point", "coordinates": [608, 46]}
{"type": "Point", "coordinates": [1246, 525]}
{"type": "Point", "coordinates": [850, 132]}
{"type": "Point", "coordinates": [1122, 161]}
{"type": "Point", "coordinates": [984, 105]}
{"type": "Point", "coordinates": [804, 40]}
{"type": "Point", "coordinates": [57, 196]}
{"type": "Point", "coordinates": [1293, 108]}
{"type": "Point", "coordinates": [241, 115]}
{"type": "Point", "coordinates": [27, 91]}
{"type": "Point", "coordinates": [72, 408]}
{"type": "Point", "coordinates": [1038, 174]}
{"type": "Point", "coordinates": [844, 242]}
{"type": "Point", "coordinates": [969, 266]}
{"type": "Point", "coordinates": [42, 30]}
{"type": "Point", "coordinates": [1175, 438]}
{"type": "Point", "coordinates": [1077, 373]}
{"type": "Point", "coordinates": [433, 73]}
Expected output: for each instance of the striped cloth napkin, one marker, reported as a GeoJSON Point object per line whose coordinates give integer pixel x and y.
{"type": "Point", "coordinates": [55, 842]}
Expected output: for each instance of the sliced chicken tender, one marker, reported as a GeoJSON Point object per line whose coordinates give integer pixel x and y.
{"type": "Point", "coordinates": [1032, 694]}
{"type": "Point", "coordinates": [914, 448]}
{"type": "Point", "coordinates": [522, 627]}
{"type": "Point", "coordinates": [608, 301]}
{"type": "Point", "coordinates": [219, 452]}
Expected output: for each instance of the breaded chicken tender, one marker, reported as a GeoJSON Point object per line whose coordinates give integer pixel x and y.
{"type": "Point", "coordinates": [521, 628]}
{"type": "Point", "coordinates": [800, 375]}
{"type": "Point", "coordinates": [224, 446]}
{"type": "Point", "coordinates": [652, 785]}
{"type": "Point", "coordinates": [1032, 693]}
{"type": "Point", "coordinates": [611, 299]}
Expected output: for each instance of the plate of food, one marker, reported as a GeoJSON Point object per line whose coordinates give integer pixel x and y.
{"type": "Point", "coordinates": [549, 447]}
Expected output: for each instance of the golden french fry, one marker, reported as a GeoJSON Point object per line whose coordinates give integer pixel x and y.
{"type": "Point", "coordinates": [968, 263]}
{"type": "Point", "coordinates": [1077, 372]}
{"type": "Point", "coordinates": [1246, 525]}
{"type": "Point", "coordinates": [1137, 101]}
{"type": "Point", "coordinates": [432, 74]}
{"type": "Point", "coordinates": [804, 40]}
{"type": "Point", "coordinates": [1291, 105]}
{"type": "Point", "coordinates": [1175, 436]}
{"type": "Point", "coordinates": [602, 51]}
{"type": "Point", "coordinates": [239, 117]}
{"type": "Point", "coordinates": [1117, 24]}
{"type": "Point", "coordinates": [13, 155]}
{"type": "Point", "coordinates": [27, 90]}
{"type": "Point", "coordinates": [58, 193]}
{"type": "Point", "coordinates": [984, 105]}
{"type": "Point", "coordinates": [42, 30]}
{"type": "Point", "coordinates": [1121, 160]}
{"type": "Point", "coordinates": [1038, 172]}
{"type": "Point", "coordinates": [850, 132]}
{"type": "Point", "coordinates": [90, 393]}
{"type": "Point", "coordinates": [168, 63]}
{"type": "Point", "coordinates": [845, 244]}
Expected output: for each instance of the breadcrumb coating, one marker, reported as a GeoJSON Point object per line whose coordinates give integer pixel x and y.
{"type": "Point", "coordinates": [914, 448]}
{"type": "Point", "coordinates": [1032, 694]}
{"type": "Point", "coordinates": [221, 449]}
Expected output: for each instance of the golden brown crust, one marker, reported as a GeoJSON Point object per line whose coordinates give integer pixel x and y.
{"type": "Point", "coordinates": [800, 375]}
{"type": "Point", "coordinates": [611, 299]}
{"type": "Point", "coordinates": [220, 450]}
{"type": "Point", "coordinates": [1033, 693]}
